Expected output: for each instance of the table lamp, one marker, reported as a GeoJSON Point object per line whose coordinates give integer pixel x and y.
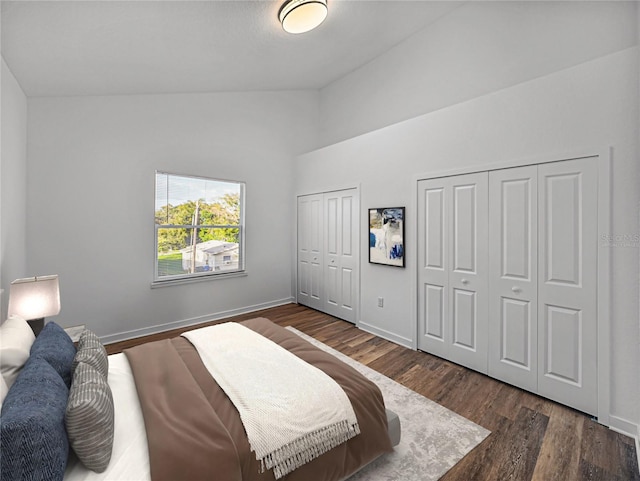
{"type": "Point", "coordinates": [35, 298]}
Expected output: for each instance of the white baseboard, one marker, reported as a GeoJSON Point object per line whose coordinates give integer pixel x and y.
{"type": "Point", "coordinates": [627, 428]}
{"type": "Point", "coordinates": [126, 335]}
{"type": "Point", "coordinates": [623, 426]}
{"type": "Point", "coordinates": [389, 336]}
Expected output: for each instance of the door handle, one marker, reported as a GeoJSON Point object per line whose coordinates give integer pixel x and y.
{"type": "Point", "coordinates": [465, 281]}
{"type": "Point", "coordinates": [516, 289]}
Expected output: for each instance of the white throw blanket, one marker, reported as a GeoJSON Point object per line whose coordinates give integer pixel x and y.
{"type": "Point", "coordinates": [292, 411]}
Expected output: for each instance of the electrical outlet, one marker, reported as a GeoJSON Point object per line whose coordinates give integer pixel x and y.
{"type": "Point", "coordinates": [380, 301]}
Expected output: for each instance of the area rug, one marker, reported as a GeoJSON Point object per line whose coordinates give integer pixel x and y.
{"type": "Point", "coordinates": [433, 438]}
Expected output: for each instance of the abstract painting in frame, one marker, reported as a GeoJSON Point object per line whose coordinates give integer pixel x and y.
{"type": "Point", "coordinates": [386, 236]}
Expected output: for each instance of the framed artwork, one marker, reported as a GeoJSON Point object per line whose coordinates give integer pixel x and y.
{"type": "Point", "coordinates": [386, 236]}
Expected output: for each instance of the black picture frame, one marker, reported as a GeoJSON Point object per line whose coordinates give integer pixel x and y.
{"type": "Point", "coordinates": [386, 236]}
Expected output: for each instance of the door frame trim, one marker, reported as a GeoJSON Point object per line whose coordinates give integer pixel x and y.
{"type": "Point", "coordinates": [604, 167]}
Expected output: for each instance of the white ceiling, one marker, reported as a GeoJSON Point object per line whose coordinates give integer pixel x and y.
{"type": "Point", "coordinates": [58, 48]}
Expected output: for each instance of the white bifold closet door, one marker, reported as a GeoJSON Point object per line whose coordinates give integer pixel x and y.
{"type": "Point", "coordinates": [452, 268]}
{"type": "Point", "coordinates": [567, 283]}
{"type": "Point", "coordinates": [507, 276]}
{"type": "Point", "coordinates": [341, 253]}
{"type": "Point", "coordinates": [310, 250]}
{"type": "Point", "coordinates": [542, 277]}
{"type": "Point", "coordinates": [513, 276]}
{"type": "Point", "coordinates": [328, 252]}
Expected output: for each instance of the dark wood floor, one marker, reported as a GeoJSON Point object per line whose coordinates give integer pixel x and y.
{"type": "Point", "coordinates": [531, 438]}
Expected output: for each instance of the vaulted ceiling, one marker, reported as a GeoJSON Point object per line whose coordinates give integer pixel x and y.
{"type": "Point", "coordinates": [59, 48]}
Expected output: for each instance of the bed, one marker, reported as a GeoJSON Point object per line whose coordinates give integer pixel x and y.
{"type": "Point", "coordinates": [155, 451]}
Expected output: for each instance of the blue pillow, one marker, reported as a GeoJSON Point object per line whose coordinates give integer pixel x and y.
{"type": "Point", "coordinates": [56, 347]}
{"type": "Point", "coordinates": [32, 432]}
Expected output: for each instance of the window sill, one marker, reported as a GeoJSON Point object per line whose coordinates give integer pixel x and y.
{"type": "Point", "coordinates": [191, 280]}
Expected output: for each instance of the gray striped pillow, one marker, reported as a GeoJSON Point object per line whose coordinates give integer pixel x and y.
{"type": "Point", "coordinates": [91, 351]}
{"type": "Point", "coordinates": [90, 417]}
{"type": "Point", "coordinates": [88, 339]}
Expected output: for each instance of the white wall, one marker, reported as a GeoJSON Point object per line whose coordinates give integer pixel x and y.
{"type": "Point", "coordinates": [479, 48]}
{"type": "Point", "coordinates": [638, 133]}
{"type": "Point", "coordinates": [13, 184]}
{"type": "Point", "coordinates": [590, 106]}
{"type": "Point", "coordinates": [91, 199]}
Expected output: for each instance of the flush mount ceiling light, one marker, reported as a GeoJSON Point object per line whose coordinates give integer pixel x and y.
{"type": "Point", "coordinates": [299, 16]}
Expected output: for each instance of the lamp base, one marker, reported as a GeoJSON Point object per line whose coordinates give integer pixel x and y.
{"type": "Point", "coordinates": [36, 325]}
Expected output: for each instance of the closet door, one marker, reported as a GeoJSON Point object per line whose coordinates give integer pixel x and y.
{"type": "Point", "coordinates": [310, 251]}
{"type": "Point", "coordinates": [452, 246]}
{"type": "Point", "coordinates": [567, 286]}
{"type": "Point", "coordinates": [341, 253]}
{"type": "Point", "coordinates": [513, 280]}
{"type": "Point", "coordinates": [433, 266]}
{"type": "Point", "coordinates": [468, 276]}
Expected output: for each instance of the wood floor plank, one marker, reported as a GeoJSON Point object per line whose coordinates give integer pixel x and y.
{"type": "Point", "coordinates": [559, 457]}
{"type": "Point", "coordinates": [509, 453]}
{"type": "Point", "coordinates": [507, 400]}
{"type": "Point", "coordinates": [474, 406]}
{"type": "Point", "coordinates": [532, 438]}
{"type": "Point", "coordinates": [591, 472]}
{"type": "Point", "coordinates": [599, 447]}
{"type": "Point", "coordinates": [393, 364]}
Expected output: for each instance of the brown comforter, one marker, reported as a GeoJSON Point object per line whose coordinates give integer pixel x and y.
{"type": "Point", "coordinates": [195, 433]}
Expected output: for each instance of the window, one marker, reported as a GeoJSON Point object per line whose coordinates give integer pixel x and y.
{"type": "Point", "coordinates": [199, 227]}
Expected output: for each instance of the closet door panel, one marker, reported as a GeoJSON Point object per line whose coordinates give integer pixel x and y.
{"type": "Point", "coordinates": [465, 319]}
{"type": "Point", "coordinates": [332, 226]}
{"type": "Point", "coordinates": [468, 290]}
{"type": "Point", "coordinates": [347, 284]}
{"type": "Point", "coordinates": [347, 221]}
{"type": "Point", "coordinates": [567, 289]}
{"type": "Point", "coordinates": [434, 229]}
{"type": "Point", "coordinates": [434, 309]}
{"type": "Point", "coordinates": [464, 252]}
{"type": "Point", "coordinates": [564, 344]}
{"type": "Point", "coordinates": [516, 329]}
{"type": "Point", "coordinates": [513, 237]}
{"type": "Point", "coordinates": [433, 236]}
{"type": "Point", "coordinates": [304, 277]}
{"type": "Point", "coordinates": [562, 224]}
{"type": "Point", "coordinates": [331, 286]}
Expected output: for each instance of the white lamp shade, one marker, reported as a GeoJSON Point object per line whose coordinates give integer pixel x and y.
{"type": "Point", "coordinates": [34, 297]}
{"type": "Point", "coordinates": [299, 16]}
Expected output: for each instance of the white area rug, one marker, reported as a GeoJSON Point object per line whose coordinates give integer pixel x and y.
{"type": "Point", "coordinates": [433, 438]}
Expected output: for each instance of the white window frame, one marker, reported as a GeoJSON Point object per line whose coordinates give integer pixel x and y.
{"type": "Point", "coordinates": [205, 275]}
